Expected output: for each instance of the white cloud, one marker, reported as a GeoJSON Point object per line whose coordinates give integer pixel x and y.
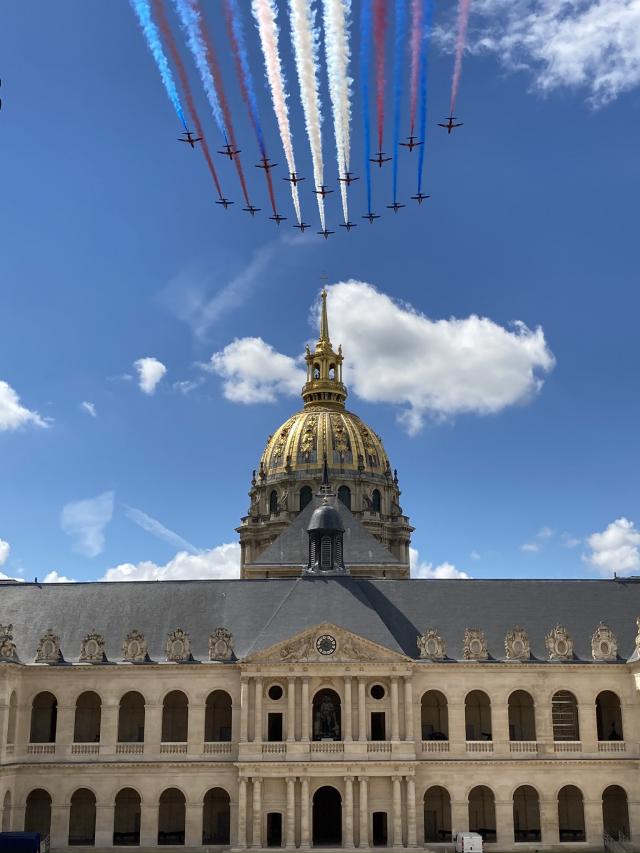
{"type": "Point", "coordinates": [216, 563]}
{"type": "Point", "coordinates": [13, 414]}
{"type": "Point", "coordinates": [545, 533]}
{"type": "Point", "coordinates": [5, 550]}
{"type": "Point", "coordinates": [150, 372]}
{"type": "Point", "coordinates": [570, 541]}
{"type": "Point", "coordinates": [89, 408]}
{"type": "Point", "coordinates": [85, 521]}
{"type": "Point", "coordinates": [254, 372]}
{"type": "Point", "coordinates": [530, 547]}
{"type": "Point", "coordinates": [153, 526]}
{"type": "Point", "coordinates": [186, 386]}
{"type": "Point", "coordinates": [420, 569]}
{"type": "Point", "coordinates": [54, 577]}
{"type": "Point", "coordinates": [616, 549]}
{"type": "Point", "coordinates": [475, 555]}
{"type": "Point", "coordinates": [579, 44]}
{"type": "Point", "coordinates": [4, 577]}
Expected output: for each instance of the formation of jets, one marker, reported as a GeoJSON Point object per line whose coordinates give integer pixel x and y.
{"type": "Point", "coordinates": [230, 151]}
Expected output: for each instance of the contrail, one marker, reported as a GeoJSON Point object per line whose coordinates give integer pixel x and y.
{"type": "Point", "coordinates": [337, 51]}
{"type": "Point", "coordinates": [152, 36]}
{"type": "Point", "coordinates": [304, 35]}
{"type": "Point", "coordinates": [265, 13]}
{"type": "Point", "coordinates": [417, 35]}
{"type": "Point", "coordinates": [365, 51]}
{"type": "Point", "coordinates": [398, 67]}
{"type": "Point", "coordinates": [184, 82]}
{"type": "Point", "coordinates": [424, 69]}
{"type": "Point", "coordinates": [380, 28]}
{"type": "Point", "coordinates": [464, 6]}
{"type": "Point", "coordinates": [235, 30]}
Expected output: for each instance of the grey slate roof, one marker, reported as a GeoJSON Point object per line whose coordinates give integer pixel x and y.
{"type": "Point", "coordinates": [291, 548]}
{"type": "Point", "coordinates": [261, 613]}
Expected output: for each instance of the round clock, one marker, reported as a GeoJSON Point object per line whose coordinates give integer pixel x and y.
{"type": "Point", "coordinates": [326, 644]}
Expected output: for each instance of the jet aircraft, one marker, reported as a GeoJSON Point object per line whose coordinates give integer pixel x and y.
{"type": "Point", "coordinates": [224, 202]}
{"type": "Point", "coordinates": [348, 179]}
{"type": "Point", "coordinates": [229, 151]}
{"type": "Point", "coordinates": [251, 209]}
{"type": "Point", "coordinates": [411, 144]}
{"type": "Point", "coordinates": [371, 216]}
{"type": "Point", "coordinates": [277, 218]}
{"type": "Point", "coordinates": [190, 140]}
{"type": "Point", "coordinates": [293, 179]}
{"type": "Point", "coordinates": [302, 226]}
{"type": "Point", "coordinates": [265, 164]}
{"type": "Point", "coordinates": [348, 225]}
{"type": "Point", "coordinates": [323, 191]}
{"type": "Point", "coordinates": [450, 124]}
{"type": "Point", "coordinates": [380, 159]}
{"type": "Point", "coordinates": [395, 206]}
{"type": "Point", "coordinates": [420, 197]}
{"type": "Point", "coordinates": [324, 233]}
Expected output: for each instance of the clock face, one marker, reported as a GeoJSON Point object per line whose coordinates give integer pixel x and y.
{"type": "Point", "coordinates": [326, 644]}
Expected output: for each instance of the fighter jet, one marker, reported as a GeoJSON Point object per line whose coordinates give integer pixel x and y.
{"type": "Point", "coordinates": [324, 233]}
{"type": "Point", "coordinates": [420, 197]}
{"type": "Point", "coordinates": [293, 179]}
{"type": "Point", "coordinates": [395, 206]}
{"type": "Point", "coordinates": [251, 209]}
{"type": "Point", "coordinates": [411, 144]}
{"type": "Point", "coordinates": [323, 191]}
{"type": "Point", "coordinates": [380, 159]}
{"type": "Point", "coordinates": [229, 151]}
{"type": "Point", "coordinates": [302, 226]}
{"type": "Point", "coordinates": [277, 218]}
{"type": "Point", "coordinates": [348, 225]}
{"type": "Point", "coordinates": [371, 216]}
{"type": "Point", "coordinates": [190, 140]}
{"type": "Point", "coordinates": [265, 164]}
{"type": "Point", "coordinates": [224, 202]}
{"type": "Point", "coordinates": [449, 125]}
{"type": "Point", "coordinates": [348, 179]}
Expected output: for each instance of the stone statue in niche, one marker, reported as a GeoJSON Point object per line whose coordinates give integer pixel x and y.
{"type": "Point", "coordinates": [327, 718]}
{"type": "Point", "coordinates": [221, 645]}
{"type": "Point", "coordinates": [431, 645]}
{"type": "Point", "coordinates": [48, 650]}
{"type": "Point", "coordinates": [134, 648]}
{"type": "Point", "coordinates": [7, 646]}
{"type": "Point", "coordinates": [92, 649]}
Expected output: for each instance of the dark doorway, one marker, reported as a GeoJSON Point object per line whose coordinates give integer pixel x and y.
{"type": "Point", "coordinates": [378, 728]}
{"type": "Point", "coordinates": [274, 727]}
{"type": "Point", "coordinates": [380, 829]}
{"type": "Point", "coordinates": [274, 829]}
{"type": "Point", "coordinates": [327, 817]}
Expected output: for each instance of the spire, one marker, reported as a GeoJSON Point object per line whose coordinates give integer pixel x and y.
{"type": "Point", "coordinates": [324, 322]}
{"type": "Point", "coordinates": [324, 368]}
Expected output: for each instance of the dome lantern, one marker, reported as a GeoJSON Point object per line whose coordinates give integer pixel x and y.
{"type": "Point", "coordinates": [326, 532]}
{"type": "Point", "coordinates": [324, 384]}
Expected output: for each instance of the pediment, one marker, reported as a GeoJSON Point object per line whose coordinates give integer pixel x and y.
{"type": "Point", "coordinates": [325, 643]}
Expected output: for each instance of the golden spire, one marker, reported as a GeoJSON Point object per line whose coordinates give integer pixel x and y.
{"type": "Point", "coordinates": [324, 322]}
{"type": "Point", "coordinates": [324, 368]}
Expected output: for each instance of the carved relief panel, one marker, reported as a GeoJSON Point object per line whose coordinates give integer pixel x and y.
{"type": "Point", "coordinates": [604, 644]}
{"type": "Point", "coordinates": [48, 650]}
{"type": "Point", "coordinates": [516, 645]}
{"type": "Point", "coordinates": [134, 647]}
{"type": "Point", "coordinates": [221, 645]}
{"type": "Point", "coordinates": [92, 649]}
{"type": "Point", "coordinates": [559, 644]}
{"type": "Point", "coordinates": [431, 645]}
{"type": "Point", "coordinates": [178, 647]}
{"type": "Point", "coordinates": [475, 644]}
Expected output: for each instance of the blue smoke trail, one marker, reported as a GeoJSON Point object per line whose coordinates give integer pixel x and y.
{"type": "Point", "coordinates": [424, 68]}
{"type": "Point", "coordinates": [247, 77]}
{"type": "Point", "coordinates": [365, 55]}
{"type": "Point", "coordinates": [398, 65]}
{"type": "Point", "coordinates": [152, 35]}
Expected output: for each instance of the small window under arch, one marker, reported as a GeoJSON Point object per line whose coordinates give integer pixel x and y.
{"type": "Point", "coordinates": [273, 502]}
{"type": "Point", "coordinates": [344, 495]}
{"type": "Point", "coordinates": [376, 501]}
{"type": "Point", "coordinates": [306, 496]}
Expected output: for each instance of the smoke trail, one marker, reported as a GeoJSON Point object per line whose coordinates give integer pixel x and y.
{"type": "Point", "coordinates": [151, 34]}
{"type": "Point", "coordinates": [398, 65]}
{"type": "Point", "coordinates": [304, 35]}
{"type": "Point", "coordinates": [424, 69]}
{"type": "Point", "coordinates": [265, 13]}
{"type": "Point", "coordinates": [464, 7]}
{"type": "Point", "coordinates": [337, 51]}
{"type": "Point", "coordinates": [365, 50]}
{"type": "Point", "coordinates": [417, 35]}
{"type": "Point", "coordinates": [380, 29]}
{"type": "Point", "coordinates": [235, 31]}
{"type": "Point", "coordinates": [184, 82]}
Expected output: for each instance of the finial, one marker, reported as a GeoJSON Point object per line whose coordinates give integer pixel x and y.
{"type": "Point", "coordinates": [325, 488]}
{"type": "Point", "coordinates": [324, 322]}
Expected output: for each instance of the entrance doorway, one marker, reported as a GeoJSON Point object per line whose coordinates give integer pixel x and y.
{"type": "Point", "coordinates": [274, 829]}
{"type": "Point", "coordinates": [379, 829]}
{"type": "Point", "coordinates": [274, 727]}
{"type": "Point", "coordinates": [378, 727]}
{"type": "Point", "coordinates": [327, 817]}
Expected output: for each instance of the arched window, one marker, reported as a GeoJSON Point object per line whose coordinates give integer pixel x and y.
{"type": "Point", "coordinates": [216, 817]}
{"type": "Point", "coordinates": [482, 812]}
{"type": "Point", "coordinates": [522, 719]}
{"type": "Point", "coordinates": [126, 818]}
{"type": "Point", "coordinates": [306, 496]}
{"type": "Point", "coordinates": [437, 814]}
{"type": "Point", "coordinates": [344, 495]}
{"type": "Point", "coordinates": [332, 371]}
{"type": "Point", "coordinates": [609, 716]}
{"type": "Point", "coordinates": [571, 814]}
{"type": "Point", "coordinates": [434, 716]}
{"type": "Point", "coordinates": [44, 715]}
{"type": "Point", "coordinates": [175, 717]}
{"type": "Point", "coordinates": [526, 814]}
{"type": "Point", "coordinates": [82, 818]}
{"type": "Point", "coordinates": [375, 501]}
{"type": "Point", "coordinates": [13, 710]}
{"type": "Point", "coordinates": [615, 813]}
{"type": "Point", "coordinates": [37, 815]}
{"type": "Point", "coordinates": [564, 715]}
{"type": "Point", "coordinates": [131, 718]}
{"type": "Point", "coordinates": [217, 719]}
{"type": "Point", "coordinates": [477, 715]}
{"type": "Point", "coordinates": [86, 728]}
{"type": "Point", "coordinates": [6, 813]}
{"type": "Point", "coordinates": [316, 371]}
{"type": "Point", "coordinates": [273, 502]}
{"type": "Point", "coordinates": [326, 716]}
{"type": "Point", "coordinates": [171, 817]}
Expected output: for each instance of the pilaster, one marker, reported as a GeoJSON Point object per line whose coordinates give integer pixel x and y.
{"type": "Point", "coordinates": [395, 710]}
{"type": "Point", "coordinates": [411, 812]}
{"type": "Point", "coordinates": [59, 832]}
{"type": "Point", "coordinates": [193, 824]}
{"type": "Point", "coordinates": [109, 728]}
{"type": "Point", "coordinates": [348, 712]}
{"type": "Point", "coordinates": [305, 710]}
{"type": "Point", "coordinates": [348, 812]}
{"type": "Point", "coordinates": [305, 835]}
{"type": "Point", "coordinates": [152, 731]}
{"type": "Point", "coordinates": [149, 824]}
{"type": "Point", "coordinates": [290, 832]}
{"type": "Point", "coordinates": [363, 840]}
{"type": "Point", "coordinates": [504, 824]}
{"type": "Point", "coordinates": [256, 839]}
{"type": "Point", "coordinates": [397, 811]}
{"type": "Point", "coordinates": [241, 839]}
{"type": "Point", "coordinates": [362, 710]}
{"type": "Point", "coordinates": [244, 710]}
{"type": "Point", "coordinates": [291, 708]}
{"type": "Point", "coordinates": [104, 825]}
{"type": "Point", "coordinates": [257, 721]}
{"type": "Point", "coordinates": [593, 822]}
{"type": "Point", "coordinates": [409, 731]}
{"type": "Point", "coordinates": [195, 730]}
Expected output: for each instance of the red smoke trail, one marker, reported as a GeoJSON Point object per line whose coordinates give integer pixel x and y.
{"type": "Point", "coordinates": [379, 30]}
{"type": "Point", "coordinates": [464, 7]}
{"type": "Point", "coordinates": [415, 43]}
{"type": "Point", "coordinates": [184, 82]}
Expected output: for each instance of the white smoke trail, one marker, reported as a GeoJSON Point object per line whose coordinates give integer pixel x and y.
{"type": "Point", "coordinates": [338, 53]}
{"type": "Point", "coordinates": [305, 45]}
{"type": "Point", "coordinates": [265, 13]}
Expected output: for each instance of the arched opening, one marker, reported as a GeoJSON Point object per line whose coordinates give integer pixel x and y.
{"type": "Point", "coordinates": [13, 712]}
{"type": "Point", "coordinates": [327, 817]}
{"type": "Point", "coordinates": [306, 496]}
{"type": "Point", "coordinates": [522, 716]}
{"type": "Point", "coordinates": [273, 502]}
{"type": "Point", "coordinates": [44, 715]}
{"type": "Point", "coordinates": [615, 812]}
{"type": "Point", "coordinates": [86, 728]}
{"type": "Point", "coordinates": [332, 371]}
{"type": "Point", "coordinates": [37, 815]}
{"type": "Point", "coordinates": [564, 715]}
{"type": "Point", "coordinates": [477, 716]}
{"type": "Point", "coordinates": [171, 817]}
{"type": "Point", "coordinates": [344, 495]}
{"type": "Point", "coordinates": [217, 718]}
{"type": "Point", "coordinates": [131, 718]}
{"type": "Point", "coordinates": [376, 502]}
{"type": "Point", "coordinates": [316, 371]}
{"type": "Point", "coordinates": [434, 716]}
{"type": "Point", "coordinates": [216, 817]}
{"type": "Point", "coordinates": [482, 812]}
{"type": "Point", "coordinates": [571, 814]}
{"type": "Point", "coordinates": [526, 814]}
{"type": "Point", "coordinates": [82, 818]}
{"type": "Point", "coordinates": [326, 716]}
{"type": "Point", "coordinates": [609, 716]}
{"type": "Point", "coordinates": [175, 717]}
{"type": "Point", "coordinates": [126, 818]}
{"type": "Point", "coordinates": [6, 813]}
{"type": "Point", "coordinates": [437, 814]}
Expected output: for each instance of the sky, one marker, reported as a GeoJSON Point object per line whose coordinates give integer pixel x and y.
{"type": "Point", "coordinates": [150, 341]}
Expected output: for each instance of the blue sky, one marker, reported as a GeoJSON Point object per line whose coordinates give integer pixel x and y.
{"type": "Point", "coordinates": [114, 251]}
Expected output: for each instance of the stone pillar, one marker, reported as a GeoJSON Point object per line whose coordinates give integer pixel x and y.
{"type": "Point", "coordinates": [291, 708]}
{"type": "Point", "coordinates": [364, 814]}
{"type": "Point", "coordinates": [362, 711]}
{"type": "Point", "coordinates": [500, 724]}
{"type": "Point", "coordinates": [256, 840]}
{"type": "Point", "coordinates": [544, 727]}
{"type": "Point", "coordinates": [305, 710]}
{"type": "Point", "coordinates": [23, 728]}
{"type": "Point", "coordinates": [588, 728]}
{"type": "Point", "coordinates": [195, 731]}
{"type": "Point", "coordinates": [409, 733]}
{"type": "Point", "coordinates": [65, 724]}
{"type": "Point", "coordinates": [17, 818]}
{"type": "Point", "coordinates": [193, 824]}
{"type": "Point", "coordinates": [244, 710]}
{"type": "Point", "coordinates": [347, 717]}
{"type": "Point", "coordinates": [593, 823]}
{"type": "Point", "coordinates": [634, 820]}
{"type": "Point", "coordinates": [459, 816]}
{"type": "Point", "coordinates": [242, 814]}
{"type": "Point", "coordinates": [348, 812]}
{"type": "Point", "coordinates": [290, 834]}
{"type": "Point", "coordinates": [149, 824]}
{"type": "Point", "coordinates": [152, 732]}
{"type": "Point", "coordinates": [397, 811]}
{"type": "Point", "coordinates": [411, 812]}
{"type": "Point", "coordinates": [59, 832]}
{"type": "Point", "coordinates": [457, 728]}
{"type": "Point", "coordinates": [549, 821]}
{"type": "Point", "coordinates": [257, 722]}
{"type": "Point", "coordinates": [104, 825]}
{"type": "Point", "coordinates": [305, 835]}
{"type": "Point", "coordinates": [395, 710]}
{"type": "Point", "coordinates": [109, 728]}
{"type": "Point", "coordinates": [504, 824]}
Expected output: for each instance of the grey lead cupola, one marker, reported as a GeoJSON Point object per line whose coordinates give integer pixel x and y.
{"type": "Point", "coordinates": [326, 533]}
